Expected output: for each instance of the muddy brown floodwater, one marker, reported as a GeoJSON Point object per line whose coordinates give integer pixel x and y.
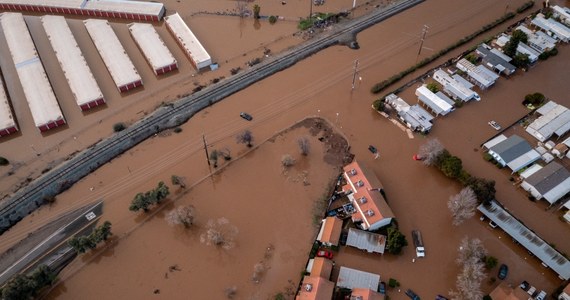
{"type": "Point", "coordinates": [321, 86]}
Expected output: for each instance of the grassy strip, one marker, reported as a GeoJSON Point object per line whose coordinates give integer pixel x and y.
{"type": "Point", "coordinates": [377, 88]}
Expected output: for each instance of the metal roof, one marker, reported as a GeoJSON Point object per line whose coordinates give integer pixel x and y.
{"type": "Point", "coordinates": [546, 107]}
{"type": "Point", "coordinates": [561, 31]}
{"type": "Point", "coordinates": [552, 177]}
{"type": "Point", "coordinates": [526, 49]}
{"type": "Point", "coordinates": [364, 240]}
{"type": "Point", "coordinates": [453, 86]}
{"type": "Point", "coordinates": [555, 120]}
{"type": "Point", "coordinates": [351, 278]}
{"type": "Point", "coordinates": [188, 41]}
{"type": "Point", "coordinates": [524, 160]}
{"type": "Point", "coordinates": [528, 239]}
{"type": "Point", "coordinates": [78, 74]}
{"type": "Point", "coordinates": [433, 101]}
{"type": "Point", "coordinates": [477, 73]}
{"type": "Point", "coordinates": [511, 148]}
{"type": "Point", "coordinates": [35, 84]}
{"type": "Point", "coordinates": [112, 52]}
{"type": "Point", "coordinates": [417, 117]}
{"type": "Point", "coordinates": [132, 7]}
{"type": "Point", "coordinates": [493, 59]}
{"type": "Point", "coordinates": [151, 45]}
{"type": "Point", "coordinates": [463, 81]}
{"type": "Point", "coordinates": [489, 144]}
{"type": "Point", "coordinates": [398, 103]}
{"type": "Point", "coordinates": [6, 118]}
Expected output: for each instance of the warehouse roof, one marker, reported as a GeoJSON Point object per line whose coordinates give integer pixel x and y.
{"type": "Point", "coordinates": [81, 81]}
{"type": "Point", "coordinates": [152, 46]}
{"type": "Point", "coordinates": [187, 39]}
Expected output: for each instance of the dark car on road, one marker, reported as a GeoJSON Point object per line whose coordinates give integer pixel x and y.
{"type": "Point", "coordinates": [382, 288]}
{"type": "Point", "coordinates": [246, 116]}
{"type": "Point", "coordinates": [503, 272]}
{"type": "Point", "coordinates": [412, 295]}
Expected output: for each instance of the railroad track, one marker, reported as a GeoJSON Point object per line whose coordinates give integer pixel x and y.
{"type": "Point", "coordinates": [29, 198]}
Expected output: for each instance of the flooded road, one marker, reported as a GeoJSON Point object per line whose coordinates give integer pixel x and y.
{"type": "Point", "coordinates": [320, 86]}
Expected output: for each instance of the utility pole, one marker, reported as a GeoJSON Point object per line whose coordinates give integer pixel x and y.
{"type": "Point", "coordinates": [206, 149]}
{"type": "Point", "coordinates": [310, 9]}
{"type": "Point", "coordinates": [355, 72]}
{"type": "Point", "coordinates": [423, 37]}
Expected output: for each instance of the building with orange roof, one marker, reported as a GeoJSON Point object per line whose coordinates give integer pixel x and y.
{"type": "Point", "coordinates": [363, 189]}
{"type": "Point", "coordinates": [365, 294]}
{"type": "Point", "coordinates": [315, 288]}
{"type": "Point", "coordinates": [330, 231]}
{"type": "Point", "coordinates": [565, 295]}
{"type": "Point", "coordinates": [505, 292]}
{"type": "Point", "coordinates": [322, 267]}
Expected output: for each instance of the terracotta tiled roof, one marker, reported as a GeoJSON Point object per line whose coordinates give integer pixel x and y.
{"type": "Point", "coordinates": [331, 231]}
{"type": "Point", "coordinates": [366, 294]}
{"type": "Point", "coordinates": [315, 288]}
{"type": "Point", "coordinates": [322, 267]}
{"type": "Point", "coordinates": [366, 191]}
{"type": "Point", "coordinates": [505, 292]}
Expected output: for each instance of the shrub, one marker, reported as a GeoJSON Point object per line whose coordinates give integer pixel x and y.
{"type": "Point", "coordinates": [272, 19]}
{"type": "Point", "coordinates": [4, 161]}
{"type": "Point", "coordinates": [287, 160]}
{"type": "Point", "coordinates": [393, 283]}
{"type": "Point", "coordinates": [177, 130]}
{"type": "Point", "coordinates": [119, 127]}
{"type": "Point", "coordinates": [490, 262]}
{"type": "Point", "coordinates": [432, 87]}
{"type": "Point", "coordinates": [487, 157]}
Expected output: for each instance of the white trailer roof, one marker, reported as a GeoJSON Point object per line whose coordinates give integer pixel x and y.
{"type": "Point", "coordinates": [135, 7]}
{"type": "Point", "coordinates": [6, 117]}
{"type": "Point", "coordinates": [352, 278]}
{"type": "Point", "coordinates": [152, 46]}
{"type": "Point", "coordinates": [453, 85]}
{"type": "Point", "coordinates": [81, 81]}
{"type": "Point", "coordinates": [435, 102]}
{"type": "Point", "coordinates": [112, 52]}
{"type": "Point", "coordinates": [33, 78]}
{"type": "Point", "coordinates": [124, 6]}
{"type": "Point", "coordinates": [187, 39]}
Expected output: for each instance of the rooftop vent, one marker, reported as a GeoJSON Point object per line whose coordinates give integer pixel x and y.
{"type": "Point", "coordinates": [353, 172]}
{"type": "Point", "coordinates": [308, 287]}
{"type": "Point", "coordinates": [370, 213]}
{"type": "Point", "coordinates": [359, 183]}
{"type": "Point", "coordinates": [362, 200]}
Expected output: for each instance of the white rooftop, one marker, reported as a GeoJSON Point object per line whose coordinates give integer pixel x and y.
{"type": "Point", "coordinates": [152, 46]}
{"type": "Point", "coordinates": [188, 40]}
{"type": "Point", "coordinates": [112, 52]}
{"type": "Point", "coordinates": [437, 104]}
{"type": "Point", "coordinates": [496, 140]}
{"type": "Point", "coordinates": [35, 84]}
{"type": "Point", "coordinates": [125, 6]}
{"type": "Point", "coordinates": [81, 81]}
{"type": "Point", "coordinates": [351, 278]}
{"type": "Point", "coordinates": [6, 117]}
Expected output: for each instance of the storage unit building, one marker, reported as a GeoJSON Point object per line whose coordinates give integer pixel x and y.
{"type": "Point", "coordinates": [113, 54]}
{"type": "Point", "coordinates": [35, 83]}
{"type": "Point", "coordinates": [152, 46]}
{"type": "Point", "coordinates": [122, 9]}
{"type": "Point", "coordinates": [7, 121]}
{"type": "Point", "coordinates": [78, 74]}
{"type": "Point", "coordinates": [188, 41]}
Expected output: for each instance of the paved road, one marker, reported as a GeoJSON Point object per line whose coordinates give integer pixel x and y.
{"type": "Point", "coordinates": [57, 180]}
{"type": "Point", "coordinates": [85, 217]}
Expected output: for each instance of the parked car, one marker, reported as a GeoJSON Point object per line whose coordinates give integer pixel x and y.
{"type": "Point", "coordinates": [412, 295]}
{"type": "Point", "coordinates": [246, 116]}
{"type": "Point", "coordinates": [325, 253]}
{"type": "Point", "coordinates": [382, 288]}
{"type": "Point", "coordinates": [503, 271]}
{"type": "Point", "coordinates": [495, 125]}
{"type": "Point", "coordinates": [524, 285]}
{"type": "Point", "coordinates": [372, 149]}
{"type": "Point", "coordinates": [417, 157]}
{"type": "Point", "coordinates": [541, 296]}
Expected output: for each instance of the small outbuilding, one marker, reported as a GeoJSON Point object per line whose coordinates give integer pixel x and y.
{"type": "Point", "coordinates": [365, 240]}
{"type": "Point", "coordinates": [514, 152]}
{"type": "Point", "coordinates": [551, 182]}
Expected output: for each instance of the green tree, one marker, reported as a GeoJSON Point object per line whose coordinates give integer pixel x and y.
{"type": "Point", "coordinates": [3, 161]}
{"type": "Point", "coordinates": [395, 241]}
{"type": "Point", "coordinates": [256, 10]}
{"type": "Point", "coordinates": [24, 286]}
{"type": "Point", "coordinates": [177, 180]}
{"type": "Point", "coordinates": [534, 99]}
{"type": "Point", "coordinates": [432, 86]}
{"type": "Point", "coordinates": [452, 167]}
{"type": "Point", "coordinates": [484, 189]}
{"type": "Point", "coordinates": [490, 262]}
{"type": "Point", "coordinates": [521, 60]}
{"type": "Point", "coordinates": [140, 202]}
{"type": "Point", "coordinates": [119, 127]}
{"type": "Point", "coordinates": [162, 191]}
{"type": "Point", "coordinates": [272, 19]}
{"type": "Point", "coordinates": [510, 47]}
{"type": "Point", "coordinates": [102, 232]}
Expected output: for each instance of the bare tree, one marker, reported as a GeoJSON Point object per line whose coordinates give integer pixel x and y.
{"type": "Point", "coordinates": [258, 270]}
{"type": "Point", "coordinates": [230, 291]}
{"type": "Point", "coordinates": [245, 137]}
{"type": "Point", "coordinates": [225, 153]}
{"type": "Point", "coordinates": [182, 215]}
{"type": "Point", "coordinates": [220, 233]}
{"type": "Point", "coordinates": [304, 145]}
{"type": "Point", "coordinates": [430, 151]}
{"type": "Point", "coordinates": [462, 205]}
{"type": "Point", "coordinates": [287, 160]}
{"type": "Point", "coordinates": [470, 250]}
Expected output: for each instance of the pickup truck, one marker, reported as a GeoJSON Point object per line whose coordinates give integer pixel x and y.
{"type": "Point", "coordinates": [418, 243]}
